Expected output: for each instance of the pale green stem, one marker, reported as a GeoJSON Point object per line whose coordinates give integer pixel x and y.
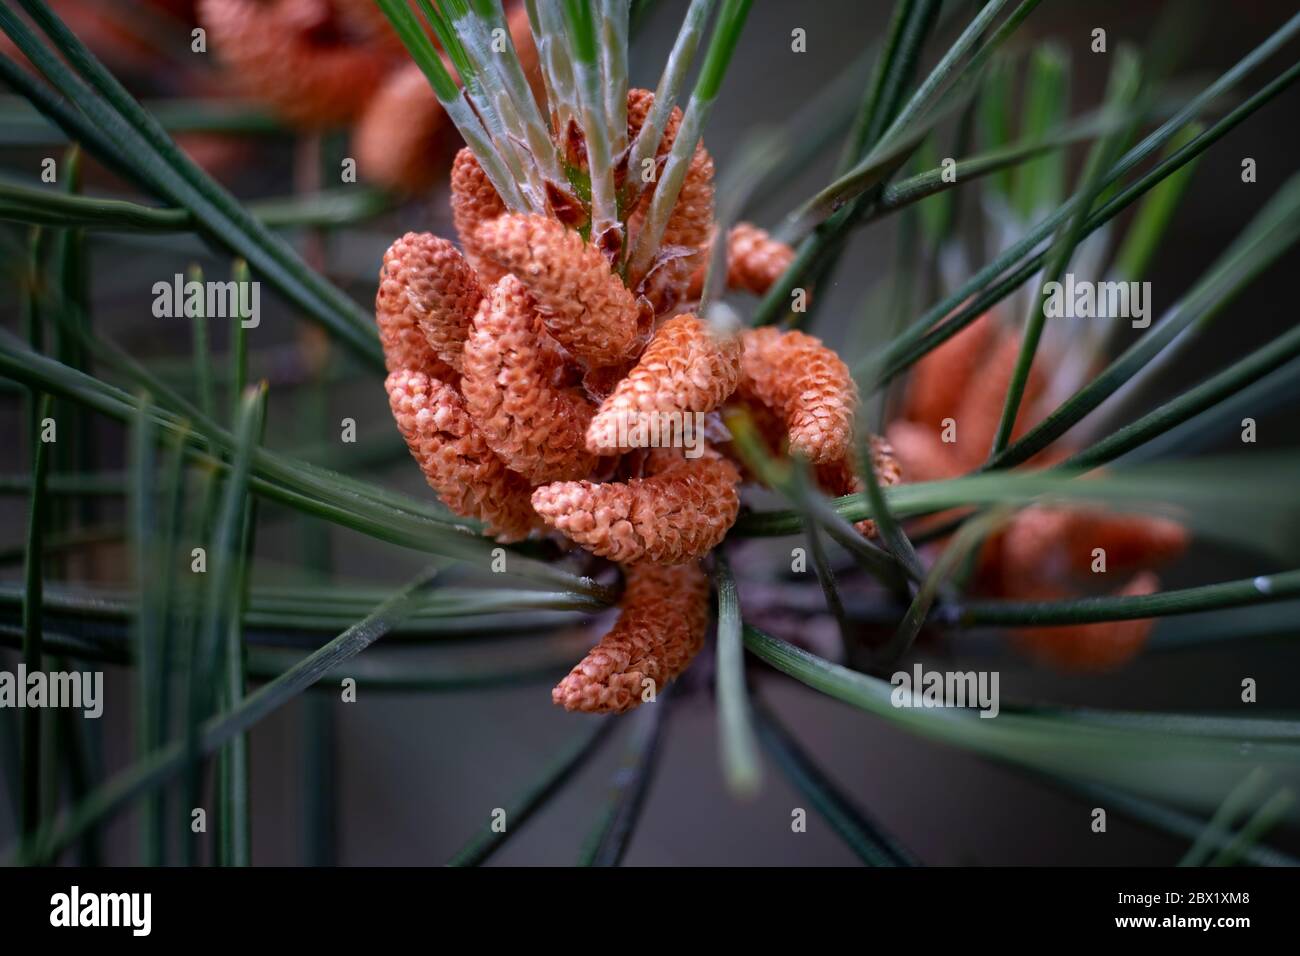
{"type": "Point", "coordinates": [557, 65]}
{"type": "Point", "coordinates": [613, 54]}
{"type": "Point", "coordinates": [522, 125]}
{"type": "Point", "coordinates": [600, 165]}
{"type": "Point", "coordinates": [679, 62]}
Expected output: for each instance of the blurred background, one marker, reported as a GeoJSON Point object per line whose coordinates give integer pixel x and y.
{"type": "Point", "coordinates": [405, 778]}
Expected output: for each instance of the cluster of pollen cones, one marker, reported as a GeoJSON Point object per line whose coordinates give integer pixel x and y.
{"type": "Point", "coordinates": [523, 369]}
{"type": "Point", "coordinates": [950, 415]}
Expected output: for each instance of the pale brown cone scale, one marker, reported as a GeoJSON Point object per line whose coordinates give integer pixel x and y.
{"type": "Point", "coordinates": [1090, 647]}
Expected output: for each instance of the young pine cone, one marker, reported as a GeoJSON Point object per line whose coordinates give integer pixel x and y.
{"type": "Point", "coordinates": [584, 305]}
{"type": "Point", "coordinates": [535, 427]}
{"type": "Point", "coordinates": [685, 242]}
{"type": "Point", "coordinates": [691, 220]}
{"type": "Point", "coordinates": [980, 410]}
{"type": "Point", "coordinates": [1047, 547]}
{"type": "Point", "coordinates": [688, 228]}
{"type": "Point", "coordinates": [922, 453]}
{"type": "Point", "coordinates": [426, 285]}
{"type": "Point", "coordinates": [661, 627]}
{"type": "Point", "coordinates": [639, 104]}
{"type": "Point", "coordinates": [806, 385]}
{"type": "Point", "coordinates": [401, 131]}
{"type": "Point", "coordinates": [841, 477]}
{"type": "Point", "coordinates": [1046, 553]}
{"type": "Point", "coordinates": [1043, 554]}
{"type": "Point", "coordinates": [1090, 647]}
{"type": "Point", "coordinates": [686, 368]}
{"type": "Point", "coordinates": [754, 261]}
{"type": "Point", "coordinates": [456, 461]}
{"type": "Point", "coordinates": [674, 516]}
{"type": "Point", "coordinates": [1131, 541]}
{"type": "Point", "coordinates": [941, 379]}
{"type": "Point", "coordinates": [474, 201]}
{"type": "Point", "coordinates": [312, 60]}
